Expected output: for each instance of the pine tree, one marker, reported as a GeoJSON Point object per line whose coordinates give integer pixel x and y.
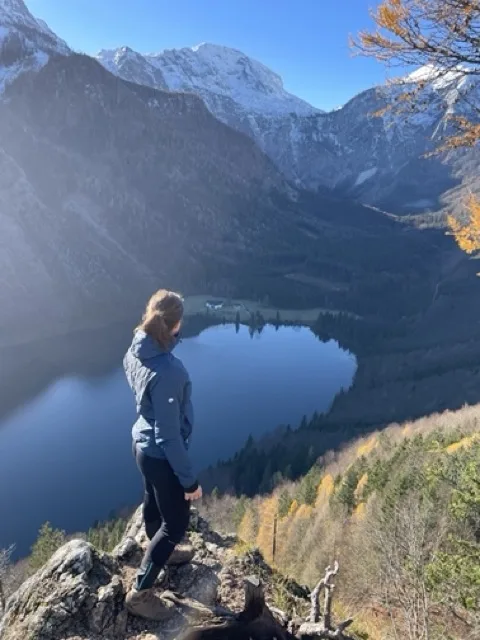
{"type": "Point", "coordinates": [49, 540]}
{"type": "Point", "coordinates": [284, 503]}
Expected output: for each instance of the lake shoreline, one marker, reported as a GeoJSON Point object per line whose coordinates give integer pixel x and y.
{"type": "Point", "coordinates": [232, 309]}
{"type": "Point", "coordinates": [195, 305]}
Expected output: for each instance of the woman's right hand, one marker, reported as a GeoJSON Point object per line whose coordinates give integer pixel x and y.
{"type": "Point", "coordinates": [195, 495]}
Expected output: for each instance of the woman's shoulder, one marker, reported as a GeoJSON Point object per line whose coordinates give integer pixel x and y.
{"type": "Point", "coordinates": [178, 366]}
{"type": "Point", "coordinates": [171, 366]}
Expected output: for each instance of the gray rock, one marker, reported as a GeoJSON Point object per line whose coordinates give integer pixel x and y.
{"type": "Point", "coordinates": [126, 548]}
{"type": "Point", "coordinates": [78, 592]}
{"type": "Point", "coordinates": [108, 617]}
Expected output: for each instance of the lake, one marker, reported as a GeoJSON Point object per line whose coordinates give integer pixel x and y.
{"type": "Point", "coordinates": [66, 415]}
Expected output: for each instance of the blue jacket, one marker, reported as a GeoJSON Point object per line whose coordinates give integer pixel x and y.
{"type": "Point", "coordinates": [162, 390]}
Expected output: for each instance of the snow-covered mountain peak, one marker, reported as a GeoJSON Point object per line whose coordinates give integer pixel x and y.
{"type": "Point", "coordinates": [215, 72]}
{"type": "Point", "coordinates": [15, 14]}
{"type": "Point", "coordinates": [111, 58]}
{"type": "Point", "coordinates": [229, 73]}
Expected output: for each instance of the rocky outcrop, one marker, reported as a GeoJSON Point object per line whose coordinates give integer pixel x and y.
{"type": "Point", "coordinates": [80, 592]}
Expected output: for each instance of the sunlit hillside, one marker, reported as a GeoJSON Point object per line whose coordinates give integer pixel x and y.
{"type": "Point", "coordinates": [400, 510]}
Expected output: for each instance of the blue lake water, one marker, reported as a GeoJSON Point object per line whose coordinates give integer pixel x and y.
{"type": "Point", "coordinates": [65, 450]}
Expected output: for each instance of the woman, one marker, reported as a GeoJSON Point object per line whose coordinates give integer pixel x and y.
{"type": "Point", "coordinates": [162, 390]}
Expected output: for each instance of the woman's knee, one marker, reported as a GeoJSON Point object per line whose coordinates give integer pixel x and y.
{"type": "Point", "coordinates": [178, 526]}
{"type": "Point", "coordinates": [150, 509]}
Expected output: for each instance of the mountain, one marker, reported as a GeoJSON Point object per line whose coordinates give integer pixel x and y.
{"type": "Point", "coordinates": [110, 188]}
{"type": "Point", "coordinates": [112, 185]}
{"type": "Point", "coordinates": [224, 78]}
{"type": "Point", "coordinates": [25, 42]}
{"type": "Point", "coordinates": [378, 160]}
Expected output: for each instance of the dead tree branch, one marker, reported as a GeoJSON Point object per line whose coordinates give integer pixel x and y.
{"type": "Point", "coordinates": [324, 629]}
{"type": "Point", "coordinates": [258, 622]}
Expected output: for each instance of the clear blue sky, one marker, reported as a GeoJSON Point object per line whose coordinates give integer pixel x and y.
{"type": "Point", "coordinates": [305, 41]}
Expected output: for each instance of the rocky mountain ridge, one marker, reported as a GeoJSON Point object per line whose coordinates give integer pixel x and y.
{"type": "Point", "coordinates": [26, 43]}
{"type": "Point", "coordinates": [79, 593]}
{"type": "Point", "coordinates": [213, 72]}
{"type": "Point", "coordinates": [378, 160]}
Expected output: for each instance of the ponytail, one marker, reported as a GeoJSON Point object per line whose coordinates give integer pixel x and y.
{"type": "Point", "coordinates": [163, 313]}
{"type": "Point", "coordinates": [156, 327]}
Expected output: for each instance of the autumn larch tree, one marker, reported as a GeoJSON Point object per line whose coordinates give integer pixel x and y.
{"type": "Point", "coordinates": [444, 36]}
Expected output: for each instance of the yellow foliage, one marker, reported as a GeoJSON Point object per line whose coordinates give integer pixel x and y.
{"type": "Point", "coordinates": [391, 15]}
{"type": "Point", "coordinates": [359, 511]}
{"type": "Point", "coordinates": [285, 528]}
{"type": "Point", "coordinates": [441, 33]}
{"type": "Point", "coordinates": [304, 511]}
{"type": "Point", "coordinates": [241, 548]}
{"type": "Point", "coordinates": [367, 447]}
{"type": "Point", "coordinates": [406, 431]}
{"type": "Point", "coordinates": [361, 483]}
{"type": "Point", "coordinates": [325, 489]}
{"type": "Point", "coordinates": [464, 443]}
{"type": "Point", "coordinates": [248, 526]}
{"type": "Point", "coordinates": [468, 234]}
{"type": "Point", "coordinates": [293, 508]}
{"type": "Point", "coordinates": [267, 512]}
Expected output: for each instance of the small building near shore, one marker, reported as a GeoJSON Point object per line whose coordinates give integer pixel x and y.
{"type": "Point", "coordinates": [214, 305]}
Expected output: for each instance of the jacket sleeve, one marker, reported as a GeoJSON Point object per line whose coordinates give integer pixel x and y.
{"type": "Point", "coordinates": [166, 396]}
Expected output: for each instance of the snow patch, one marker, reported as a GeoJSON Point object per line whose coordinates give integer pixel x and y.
{"type": "Point", "coordinates": [33, 63]}
{"type": "Point", "coordinates": [437, 77]}
{"type": "Point", "coordinates": [365, 175]}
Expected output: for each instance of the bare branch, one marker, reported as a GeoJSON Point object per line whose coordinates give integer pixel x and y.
{"type": "Point", "coordinates": [5, 560]}
{"type": "Point", "coordinates": [324, 629]}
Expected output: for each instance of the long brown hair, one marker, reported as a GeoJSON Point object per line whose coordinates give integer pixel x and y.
{"type": "Point", "coordinates": [164, 311]}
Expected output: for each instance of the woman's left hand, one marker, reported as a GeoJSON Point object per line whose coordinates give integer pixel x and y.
{"type": "Point", "coordinates": [195, 495]}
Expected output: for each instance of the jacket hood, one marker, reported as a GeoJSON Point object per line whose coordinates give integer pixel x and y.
{"type": "Point", "coordinates": [144, 347]}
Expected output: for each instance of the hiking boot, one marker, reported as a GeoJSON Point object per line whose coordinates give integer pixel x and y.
{"type": "Point", "coordinates": [149, 605]}
{"type": "Point", "coordinates": [162, 580]}
{"type": "Point", "coordinates": [183, 554]}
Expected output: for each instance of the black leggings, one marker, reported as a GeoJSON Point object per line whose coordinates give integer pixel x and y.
{"type": "Point", "coordinates": [166, 514]}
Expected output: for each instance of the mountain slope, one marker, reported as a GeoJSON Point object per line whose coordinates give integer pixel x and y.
{"type": "Point", "coordinates": [399, 509]}
{"type": "Point", "coordinates": [25, 42]}
{"type": "Point", "coordinates": [110, 185]}
{"type": "Point", "coordinates": [113, 188]}
{"type": "Point", "coordinates": [379, 160]}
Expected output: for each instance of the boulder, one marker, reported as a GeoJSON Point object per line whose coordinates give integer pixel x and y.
{"type": "Point", "coordinates": [78, 593]}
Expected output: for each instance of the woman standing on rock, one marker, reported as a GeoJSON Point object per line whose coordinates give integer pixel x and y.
{"type": "Point", "coordinates": [161, 433]}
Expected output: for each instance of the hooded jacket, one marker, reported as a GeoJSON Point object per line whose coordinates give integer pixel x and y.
{"type": "Point", "coordinates": [162, 390]}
